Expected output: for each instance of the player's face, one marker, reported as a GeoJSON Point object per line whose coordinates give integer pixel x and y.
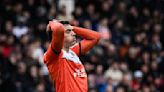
{"type": "Point", "coordinates": [69, 36]}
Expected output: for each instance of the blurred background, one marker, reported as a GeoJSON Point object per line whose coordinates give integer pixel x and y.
{"type": "Point", "coordinates": [128, 58]}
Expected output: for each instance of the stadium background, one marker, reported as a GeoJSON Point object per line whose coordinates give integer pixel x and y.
{"type": "Point", "coordinates": [129, 57]}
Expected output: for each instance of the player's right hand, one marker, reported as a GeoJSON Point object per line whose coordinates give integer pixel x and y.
{"type": "Point", "coordinates": [54, 24]}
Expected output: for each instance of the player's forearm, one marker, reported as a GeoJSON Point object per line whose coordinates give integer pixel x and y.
{"type": "Point", "coordinates": [87, 33]}
{"type": "Point", "coordinates": [57, 35]}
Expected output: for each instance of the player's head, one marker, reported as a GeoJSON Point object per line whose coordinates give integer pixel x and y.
{"type": "Point", "coordinates": [69, 35]}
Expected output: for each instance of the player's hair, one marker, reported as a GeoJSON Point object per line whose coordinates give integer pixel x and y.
{"type": "Point", "coordinates": [64, 22]}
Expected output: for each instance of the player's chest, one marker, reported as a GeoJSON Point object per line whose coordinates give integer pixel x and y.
{"type": "Point", "coordinates": [74, 65]}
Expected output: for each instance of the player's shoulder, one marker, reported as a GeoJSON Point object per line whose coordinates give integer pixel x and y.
{"type": "Point", "coordinates": [49, 55]}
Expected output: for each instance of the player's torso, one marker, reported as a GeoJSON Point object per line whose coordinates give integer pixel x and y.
{"type": "Point", "coordinates": [68, 73]}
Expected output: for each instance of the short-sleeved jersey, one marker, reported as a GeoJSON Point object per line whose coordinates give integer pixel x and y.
{"type": "Point", "coordinates": [66, 70]}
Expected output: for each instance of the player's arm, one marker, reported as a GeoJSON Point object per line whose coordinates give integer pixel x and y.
{"type": "Point", "coordinates": [57, 36]}
{"type": "Point", "coordinates": [91, 38]}
{"type": "Point", "coordinates": [56, 33]}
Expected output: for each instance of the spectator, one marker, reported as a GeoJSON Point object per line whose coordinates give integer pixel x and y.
{"type": "Point", "coordinates": [104, 30]}
{"type": "Point", "coordinates": [20, 30]}
{"type": "Point", "coordinates": [114, 73]}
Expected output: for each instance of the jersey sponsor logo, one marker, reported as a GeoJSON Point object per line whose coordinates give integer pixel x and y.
{"type": "Point", "coordinates": [80, 73]}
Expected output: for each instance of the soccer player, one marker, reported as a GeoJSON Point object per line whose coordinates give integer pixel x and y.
{"type": "Point", "coordinates": [62, 57]}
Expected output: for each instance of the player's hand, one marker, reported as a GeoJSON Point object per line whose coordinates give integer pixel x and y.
{"type": "Point", "coordinates": [54, 20]}
{"type": "Point", "coordinates": [53, 23]}
{"type": "Point", "coordinates": [66, 24]}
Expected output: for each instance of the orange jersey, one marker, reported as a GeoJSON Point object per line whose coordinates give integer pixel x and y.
{"type": "Point", "coordinates": [65, 68]}
{"type": "Point", "coordinates": [67, 71]}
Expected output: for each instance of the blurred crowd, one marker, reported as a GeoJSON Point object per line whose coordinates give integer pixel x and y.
{"type": "Point", "coordinates": [128, 58]}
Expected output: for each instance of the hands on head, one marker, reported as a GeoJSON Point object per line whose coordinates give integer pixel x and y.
{"type": "Point", "coordinates": [66, 24]}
